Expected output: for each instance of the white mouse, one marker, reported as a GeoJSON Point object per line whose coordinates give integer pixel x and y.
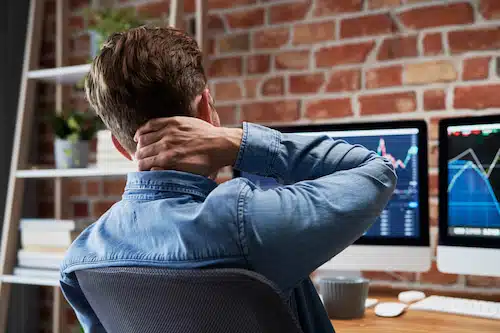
{"type": "Point", "coordinates": [370, 302]}
{"type": "Point", "coordinates": [389, 309]}
{"type": "Point", "coordinates": [411, 296]}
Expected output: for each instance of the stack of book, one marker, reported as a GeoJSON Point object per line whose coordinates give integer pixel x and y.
{"type": "Point", "coordinates": [107, 156]}
{"type": "Point", "coordinates": [43, 245]}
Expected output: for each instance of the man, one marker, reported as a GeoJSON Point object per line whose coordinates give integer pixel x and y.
{"type": "Point", "coordinates": [149, 87]}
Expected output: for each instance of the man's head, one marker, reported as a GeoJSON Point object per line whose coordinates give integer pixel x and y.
{"type": "Point", "coordinates": [146, 73]}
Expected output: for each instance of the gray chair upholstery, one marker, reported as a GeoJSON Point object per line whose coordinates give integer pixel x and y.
{"type": "Point", "coordinates": [157, 300]}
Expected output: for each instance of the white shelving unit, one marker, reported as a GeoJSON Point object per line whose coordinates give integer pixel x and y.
{"type": "Point", "coordinates": [19, 168]}
{"type": "Point", "coordinates": [61, 75]}
{"type": "Point", "coordinates": [67, 173]}
{"type": "Point", "coordinates": [30, 280]}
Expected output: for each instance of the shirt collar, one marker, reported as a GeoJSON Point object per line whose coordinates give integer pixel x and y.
{"type": "Point", "coordinates": [168, 181]}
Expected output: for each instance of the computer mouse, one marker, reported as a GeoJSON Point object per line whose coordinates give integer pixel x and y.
{"type": "Point", "coordinates": [411, 296]}
{"type": "Point", "coordinates": [389, 309]}
{"type": "Point", "coordinates": [370, 302]}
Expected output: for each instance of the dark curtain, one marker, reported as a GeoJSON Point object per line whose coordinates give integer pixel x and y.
{"type": "Point", "coordinates": [24, 305]}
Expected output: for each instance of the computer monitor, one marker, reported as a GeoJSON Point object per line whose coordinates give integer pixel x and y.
{"type": "Point", "coordinates": [469, 189]}
{"type": "Point", "coordinates": [399, 238]}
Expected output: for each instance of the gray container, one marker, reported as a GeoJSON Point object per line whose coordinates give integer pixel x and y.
{"type": "Point", "coordinates": [344, 298]}
{"type": "Point", "coordinates": [69, 154]}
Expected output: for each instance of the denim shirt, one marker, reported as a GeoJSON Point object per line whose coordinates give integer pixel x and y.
{"type": "Point", "coordinates": [332, 193]}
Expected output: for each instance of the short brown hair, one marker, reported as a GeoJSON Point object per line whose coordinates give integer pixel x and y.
{"type": "Point", "coordinates": [141, 74]}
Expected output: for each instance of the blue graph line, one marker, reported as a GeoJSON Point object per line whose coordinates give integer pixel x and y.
{"type": "Point", "coordinates": [466, 165]}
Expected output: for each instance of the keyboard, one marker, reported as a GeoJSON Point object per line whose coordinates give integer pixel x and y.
{"type": "Point", "coordinates": [459, 306]}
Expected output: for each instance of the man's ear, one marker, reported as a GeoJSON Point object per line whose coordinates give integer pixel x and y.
{"type": "Point", "coordinates": [120, 148]}
{"type": "Point", "coordinates": [205, 110]}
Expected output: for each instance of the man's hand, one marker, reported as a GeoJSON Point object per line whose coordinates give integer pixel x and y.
{"type": "Point", "coordinates": [186, 144]}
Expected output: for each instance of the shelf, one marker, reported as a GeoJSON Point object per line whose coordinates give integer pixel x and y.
{"type": "Point", "coordinates": [66, 75]}
{"type": "Point", "coordinates": [31, 280]}
{"type": "Point", "coordinates": [83, 172]}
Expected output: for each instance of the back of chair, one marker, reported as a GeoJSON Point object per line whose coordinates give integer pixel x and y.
{"type": "Point", "coordinates": [157, 300]}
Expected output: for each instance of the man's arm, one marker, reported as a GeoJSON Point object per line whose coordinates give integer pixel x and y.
{"type": "Point", "coordinates": [86, 316]}
{"type": "Point", "coordinates": [337, 192]}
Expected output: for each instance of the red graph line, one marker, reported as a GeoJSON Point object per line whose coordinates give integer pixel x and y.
{"type": "Point", "coordinates": [397, 163]}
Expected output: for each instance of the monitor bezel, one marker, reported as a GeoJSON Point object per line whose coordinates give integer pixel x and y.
{"type": "Point", "coordinates": [423, 175]}
{"type": "Point", "coordinates": [444, 238]}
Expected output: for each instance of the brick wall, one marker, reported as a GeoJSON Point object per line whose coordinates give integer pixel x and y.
{"type": "Point", "coordinates": [302, 61]}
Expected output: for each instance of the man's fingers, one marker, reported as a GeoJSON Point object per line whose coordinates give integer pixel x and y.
{"type": "Point", "coordinates": [150, 138]}
{"type": "Point", "coordinates": [156, 161]}
{"type": "Point", "coordinates": [151, 126]}
{"type": "Point", "coordinates": [149, 150]}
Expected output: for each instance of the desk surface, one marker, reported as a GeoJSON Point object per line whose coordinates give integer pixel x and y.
{"type": "Point", "coordinates": [416, 322]}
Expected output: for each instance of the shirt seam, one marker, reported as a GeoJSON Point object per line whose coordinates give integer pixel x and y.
{"type": "Point", "coordinates": [241, 221]}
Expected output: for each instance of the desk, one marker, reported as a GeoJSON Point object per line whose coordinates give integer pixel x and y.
{"type": "Point", "coordinates": [416, 322]}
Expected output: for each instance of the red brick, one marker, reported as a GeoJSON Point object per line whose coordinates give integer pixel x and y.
{"type": "Point", "coordinates": [476, 68]}
{"type": "Point", "coordinates": [93, 187]}
{"type": "Point", "coordinates": [477, 97]}
{"type": "Point", "coordinates": [234, 43]}
{"type": "Point", "coordinates": [436, 277]}
{"type": "Point", "coordinates": [474, 40]}
{"type": "Point", "coordinates": [483, 281]}
{"type": "Point", "coordinates": [344, 80]}
{"type": "Point", "coordinates": [114, 187]}
{"type": "Point", "coordinates": [215, 24]}
{"type": "Point", "coordinates": [433, 212]}
{"type": "Point", "coordinates": [80, 209]}
{"type": "Point", "coordinates": [377, 4]}
{"type": "Point", "coordinates": [397, 48]}
{"type": "Point", "coordinates": [306, 83]}
{"type": "Point", "coordinates": [433, 155]}
{"type": "Point", "coordinates": [154, 9]}
{"type": "Point", "coordinates": [225, 67]}
{"type": "Point", "coordinates": [221, 4]}
{"type": "Point", "coordinates": [310, 33]}
{"type": "Point", "coordinates": [389, 276]}
{"type": "Point", "coordinates": [72, 187]}
{"type": "Point", "coordinates": [329, 108]}
{"type": "Point", "coordinates": [343, 54]}
{"type": "Point", "coordinates": [292, 60]}
{"type": "Point", "coordinates": [433, 184]}
{"type": "Point", "coordinates": [258, 63]}
{"type": "Point", "coordinates": [271, 38]}
{"type": "Point", "coordinates": [101, 207]}
{"type": "Point", "coordinates": [329, 7]}
{"type": "Point", "coordinates": [387, 103]}
{"type": "Point", "coordinates": [490, 9]}
{"type": "Point", "coordinates": [227, 115]}
{"type": "Point", "coordinates": [274, 86]}
{"type": "Point", "coordinates": [227, 91]}
{"type": "Point", "coordinates": [246, 18]}
{"type": "Point", "coordinates": [437, 16]}
{"type": "Point", "coordinates": [76, 23]}
{"type": "Point", "coordinates": [384, 77]}
{"type": "Point", "coordinates": [434, 99]}
{"type": "Point", "coordinates": [367, 26]}
{"type": "Point", "coordinates": [288, 12]}
{"type": "Point", "coordinates": [76, 4]}
{"type": "Point", "coordinates": [265, 112]}
{"type": "Point", "coordinates": [251, 87]}
{"type": "Point", "coordinates": [433, 44]}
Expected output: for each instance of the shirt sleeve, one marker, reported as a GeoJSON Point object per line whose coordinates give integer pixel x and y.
{"type": "Point", "coordinates": [75, 297]}
{"type": "Point", "coordinates": [334, 192]}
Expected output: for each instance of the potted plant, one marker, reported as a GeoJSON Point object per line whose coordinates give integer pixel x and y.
{"type": "Point", "coordinates": [73, 132]}
{"type": "Point", "coordinates": [103, 22]}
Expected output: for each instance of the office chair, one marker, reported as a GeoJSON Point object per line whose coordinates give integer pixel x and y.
{"type": "Point", "coordinates": [158, 300]}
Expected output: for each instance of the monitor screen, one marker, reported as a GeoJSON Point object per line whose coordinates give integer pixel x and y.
{"type": "Point", "coordinates": [473, 179]}
{"type": "Point", "coordinates": [401, 219]}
